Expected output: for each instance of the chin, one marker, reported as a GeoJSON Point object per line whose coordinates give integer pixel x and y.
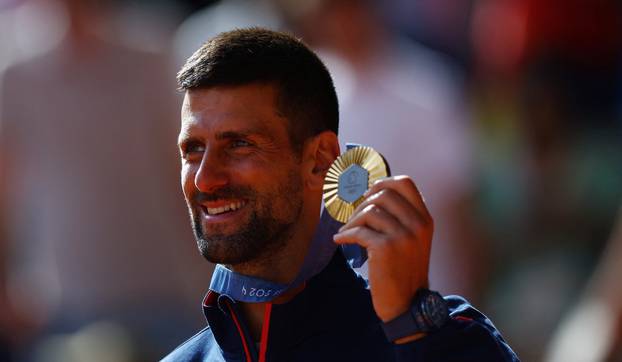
{"type": "Point", "coordinates": [225, 251]}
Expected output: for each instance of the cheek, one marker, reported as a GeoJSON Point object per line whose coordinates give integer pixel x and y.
{"type": "Point", "coordinates": [187, 180]}
{"type": "Point", "coordinates": [257, 176]}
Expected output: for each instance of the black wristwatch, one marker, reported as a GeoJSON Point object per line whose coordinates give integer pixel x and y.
{"type": "Point", "coordinates": [427, 313]}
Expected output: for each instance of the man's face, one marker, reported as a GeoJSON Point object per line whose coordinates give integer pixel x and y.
{"type": "Point", "coordinates": [240, 177]}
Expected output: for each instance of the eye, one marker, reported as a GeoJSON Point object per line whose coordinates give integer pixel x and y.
{"type": "Point", "coordinates": [195, 147]}
{"type": "Point", "coordinates": [240, 143]}
{"type": "Point", "coordinates": [191, 149]}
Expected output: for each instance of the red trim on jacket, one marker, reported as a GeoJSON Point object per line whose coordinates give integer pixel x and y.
{"type": "Point", "coordinates": [264, 333]}
{"type": "Point", "coordinates": [237, 324]}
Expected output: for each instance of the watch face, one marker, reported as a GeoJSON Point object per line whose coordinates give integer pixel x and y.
{"type": "Point", "coordinates": [435, 309]}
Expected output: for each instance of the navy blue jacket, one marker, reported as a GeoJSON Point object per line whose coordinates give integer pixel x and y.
{"type": "Point", "coordinates": [333, 319]}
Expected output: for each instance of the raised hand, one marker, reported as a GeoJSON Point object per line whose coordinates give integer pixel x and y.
{"type": "Point", "coordinates": [395, 227]}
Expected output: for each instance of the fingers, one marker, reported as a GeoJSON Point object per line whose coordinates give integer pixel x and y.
{"type": "Point", "coordinates": [404, 186]}
{"type": "Point", "coordinates": [393, 210]}
{"type": "Point", "coordinates": [361, 235]}
{"type": "Point", "coordinates": [376, 218]}
{"type": "Point", "coordinates": [400, 198]}
{"type": "Point", "coordinates": [383, 204]}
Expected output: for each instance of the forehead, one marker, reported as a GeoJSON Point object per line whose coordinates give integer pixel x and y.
{"type": "Point", "coordinates": [224, 108]}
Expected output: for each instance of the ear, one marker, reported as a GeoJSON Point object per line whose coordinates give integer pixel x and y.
{"type": "Point", "coordinates": [319, 153]}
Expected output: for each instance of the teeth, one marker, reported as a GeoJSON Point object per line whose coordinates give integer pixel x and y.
{"type": "Point", "coordinates": [219, 210]}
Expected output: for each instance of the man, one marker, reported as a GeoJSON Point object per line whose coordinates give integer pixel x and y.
{"type": "Point", "coordinates": [258, 134]}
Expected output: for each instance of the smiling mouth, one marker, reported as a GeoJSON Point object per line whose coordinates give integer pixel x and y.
{"type": "Point", "coordinates": [223, 209]}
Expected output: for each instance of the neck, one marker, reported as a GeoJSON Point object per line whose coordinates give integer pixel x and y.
{"type": "Point", "coordinates": [283, 264]}
{"type": "Point", "coordinates": [280, 266]}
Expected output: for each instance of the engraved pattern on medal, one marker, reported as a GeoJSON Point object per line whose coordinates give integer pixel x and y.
{"type": "Point", "coordinates": [350, 175]}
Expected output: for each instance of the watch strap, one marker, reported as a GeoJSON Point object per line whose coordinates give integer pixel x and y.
{"type": "Point", "coordinates": [402, 326]}
{"type": "Point", "coordinates": [412, 321]}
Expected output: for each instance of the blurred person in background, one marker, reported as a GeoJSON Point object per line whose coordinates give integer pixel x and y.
{"type": "Point", "coordinates": [95, 243]}
{"type": "Point", "coordinates": [8, 316]}
{"type": "Point", "coordinates": [549, 154]}
{"type": "Point", "coordinates": [592, 331]}
{"type": "Point", "coordinates": [405, 101]}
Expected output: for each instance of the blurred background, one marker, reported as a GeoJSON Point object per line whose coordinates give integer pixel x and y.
{"type": "Point", "coordinates": [507, 114]}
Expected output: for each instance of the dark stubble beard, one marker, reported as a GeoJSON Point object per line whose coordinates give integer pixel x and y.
{"type": "Point", "coordinates": [262, 235]}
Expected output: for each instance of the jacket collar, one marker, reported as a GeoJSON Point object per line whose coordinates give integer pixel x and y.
{"type": "Point", "coordinates": [334, 298]}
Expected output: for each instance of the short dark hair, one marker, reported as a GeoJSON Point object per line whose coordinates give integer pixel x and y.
{"type": "Point", "coordinates": [305, 91]}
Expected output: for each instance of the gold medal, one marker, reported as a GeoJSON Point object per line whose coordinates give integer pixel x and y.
{"type": "Point", "coordinates": [347, 179]}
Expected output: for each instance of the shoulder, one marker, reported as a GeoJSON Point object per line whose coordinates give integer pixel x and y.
{"type": "Point", "coordinates": [475, 333]}
{"type": "Point", "coordinates": [468, 336]}
{"type": "Point", "coordinates": [463, 315]}
{"type": "Point", "coordinates": [196, 348]}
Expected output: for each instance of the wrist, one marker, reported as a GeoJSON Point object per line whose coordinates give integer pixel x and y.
{"type": "Point", "coordinates": [393, 313]}
{"type": "Point", "coordinates": [427, 313]}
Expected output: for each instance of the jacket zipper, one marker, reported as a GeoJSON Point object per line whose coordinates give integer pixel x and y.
{"type": "Point", "coordinates": [263, 346]}
{"type": "Point", "coordinates": [247, 352]}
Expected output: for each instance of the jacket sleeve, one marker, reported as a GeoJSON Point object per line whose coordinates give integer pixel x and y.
{"type": "Point", "coordinates": [467, 336]}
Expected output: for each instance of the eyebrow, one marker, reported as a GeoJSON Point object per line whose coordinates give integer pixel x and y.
{"type": "Point", "coordinates": [236, 134]}
{"type": "Point", "coordinates": [184, 135]}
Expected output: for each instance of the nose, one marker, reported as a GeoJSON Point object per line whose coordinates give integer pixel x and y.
{"type": "Point", "coordinates": [212, 172]}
